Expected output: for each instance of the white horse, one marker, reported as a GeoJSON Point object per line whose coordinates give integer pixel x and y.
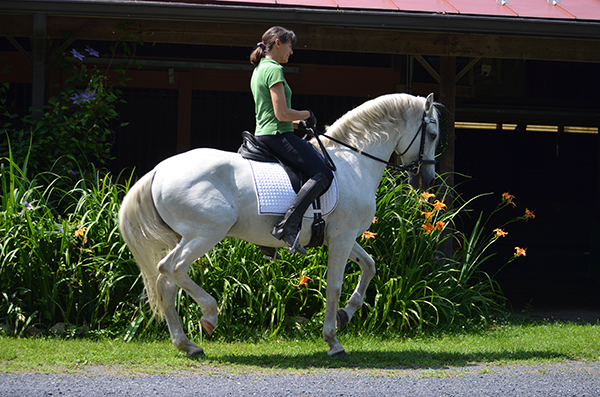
{"type": "Point", "coordinates": [190, 202]}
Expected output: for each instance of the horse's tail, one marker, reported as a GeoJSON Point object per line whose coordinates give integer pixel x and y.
{"type": "Point", "coordinates": [148, 237]}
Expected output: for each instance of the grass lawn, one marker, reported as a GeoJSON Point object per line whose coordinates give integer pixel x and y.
{"type": "Point", "coordinates": [514, 342]}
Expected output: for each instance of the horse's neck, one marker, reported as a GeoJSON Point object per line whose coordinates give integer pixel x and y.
{"type": "Point", "coordinates": [368, 172]}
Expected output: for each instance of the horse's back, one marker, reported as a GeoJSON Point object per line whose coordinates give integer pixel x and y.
{"type": "Point", "coordinates": [200, 186]}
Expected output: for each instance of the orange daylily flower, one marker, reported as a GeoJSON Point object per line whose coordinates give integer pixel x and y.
{"type": "Point", "coordinates": [529, 214]}
{"type": "Point", "coordinates": [427, 214]}
{"type": "Point", "coordinates": [520, 251]}
{"type": "Point", "coordinates": [367, 235]}
{"type": "Point", "coordinates": [428, 227]}
{"type": "Point", "coordinates": [440, 225]}
{"type": "Point", "coordinates": [506, 196]}
{"type": "Point", "coordinates": [500, 233]}
{"type": "Point", "coordinates": [80, 232]}
{"type": "Point", "coordinates": [426, 195]}
{"type": "Point", "coordinates": [304, 280]}
{"type": "Point", "coordinates": [439, 205]}
{"type": "Point", "coordinates": [374, 219]}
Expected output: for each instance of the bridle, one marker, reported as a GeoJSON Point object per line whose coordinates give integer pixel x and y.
{"type": "Point", "coordinates": [414, 167]}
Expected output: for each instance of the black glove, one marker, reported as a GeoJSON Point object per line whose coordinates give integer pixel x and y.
{"type": "Point", "coordinates": [310, 122]}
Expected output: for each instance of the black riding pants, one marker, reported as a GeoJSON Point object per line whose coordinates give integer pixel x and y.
{"type": "Point", "coordinates": [298, 153]}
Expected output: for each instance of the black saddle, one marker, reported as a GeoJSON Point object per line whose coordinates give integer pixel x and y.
{"type": "Point", "coordinates": [253, 149]}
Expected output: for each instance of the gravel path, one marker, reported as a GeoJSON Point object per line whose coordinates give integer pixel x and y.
{"type": "Point", "coordinates": [565, 379]}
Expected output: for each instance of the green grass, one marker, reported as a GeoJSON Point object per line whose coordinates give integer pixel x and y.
{"type": "Point", "coordinates": [512, 342]}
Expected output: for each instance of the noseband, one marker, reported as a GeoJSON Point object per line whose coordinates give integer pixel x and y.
{"type": "Point", "coordinates": [413, 168]}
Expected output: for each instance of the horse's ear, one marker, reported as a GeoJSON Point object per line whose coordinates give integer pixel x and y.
{"type": "Point", "coordinates": [429, 103]}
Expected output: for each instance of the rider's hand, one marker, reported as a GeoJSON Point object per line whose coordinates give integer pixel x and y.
{"type": "Point", "coordinates": [309, 123]}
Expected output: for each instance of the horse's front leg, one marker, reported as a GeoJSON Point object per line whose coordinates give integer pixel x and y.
{"type": "Point", "coordinates": [367, 267]}
{"type": "Point", "coordinates": [336, 265]}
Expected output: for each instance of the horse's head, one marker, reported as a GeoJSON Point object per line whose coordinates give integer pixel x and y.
{"type": "Point", "coordinates": [419, 156]}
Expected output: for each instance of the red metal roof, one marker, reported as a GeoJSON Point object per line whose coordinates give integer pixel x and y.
{"type": "Point", "coordinates": [552, 9]}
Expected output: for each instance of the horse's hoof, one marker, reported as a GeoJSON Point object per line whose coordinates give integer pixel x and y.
{"type": "Point", "coordinates": [197, 352]}
{"type": "Point", "coordinates": [341, 319]}
{"type": "Point", "coordinates": [207, 327]}
{"type": "Point", "coordinates": [339, 354]}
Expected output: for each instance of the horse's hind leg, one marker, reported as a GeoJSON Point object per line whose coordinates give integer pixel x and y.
{"type": "Point", "coordinates": [175, 267]}
{"type": "Point", "coordinates": [367, 267]}
{"type": "Point", "coordinates": [168, 291]}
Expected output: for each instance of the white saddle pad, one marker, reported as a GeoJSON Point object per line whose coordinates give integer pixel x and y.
{"type": "Point", "coordinates": [275, 194]}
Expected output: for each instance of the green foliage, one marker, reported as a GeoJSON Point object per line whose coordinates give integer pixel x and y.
{"type": "Point", "coordinates": [78, 122]}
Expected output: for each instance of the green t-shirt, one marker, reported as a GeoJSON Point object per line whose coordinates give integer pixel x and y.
{"type": "Point", "coordinates": [266, 75]}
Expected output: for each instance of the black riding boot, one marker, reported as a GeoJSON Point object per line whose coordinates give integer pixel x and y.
{"type": "Point", "coordinates": [288, 228]}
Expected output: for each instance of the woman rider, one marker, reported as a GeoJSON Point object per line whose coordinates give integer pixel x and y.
{"type": "Point", "coordinates": [275, 122]}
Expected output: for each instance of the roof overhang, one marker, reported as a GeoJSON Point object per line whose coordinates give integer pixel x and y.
{"type": "Point", "coordinates": [311, 16]}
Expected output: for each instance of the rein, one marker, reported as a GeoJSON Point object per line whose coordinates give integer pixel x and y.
{"type": "Point", "coordinates": [414, 167]}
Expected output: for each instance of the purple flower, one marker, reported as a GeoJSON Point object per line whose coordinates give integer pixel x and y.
{"type": "Point", "coordinates": [77, 55]}
{"type": "Point", "coordinates": [85, 96]}
{"type": "Point", "coordinates": [72, 172]}
{"type": "Point", "coordinates": [28, 205]}
{"type": "Point", "coordinates": [92, 52]}
{"type": "Point", "coordinates": [75, 98]}
{"type": "Point", "coordinates": [88, 96]}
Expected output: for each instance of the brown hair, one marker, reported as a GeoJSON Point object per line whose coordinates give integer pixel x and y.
{"type": "Point", "coordinates": [268, 40]}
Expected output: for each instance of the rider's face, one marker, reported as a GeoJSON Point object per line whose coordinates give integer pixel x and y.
{"type": "Point", "coordinates": [281, 51]}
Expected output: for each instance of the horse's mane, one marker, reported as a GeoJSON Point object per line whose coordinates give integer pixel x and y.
{"type": "Point", "coordinates": [368, 122]}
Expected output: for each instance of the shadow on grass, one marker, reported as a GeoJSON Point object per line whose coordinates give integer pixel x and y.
{"type": "Point", "coordinates": [366, 359]}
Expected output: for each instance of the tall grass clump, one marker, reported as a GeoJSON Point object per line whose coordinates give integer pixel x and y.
{"type": "Point", "coordinates": [62, 259]}
{"type": "Point", "coordinates": [416, 286]}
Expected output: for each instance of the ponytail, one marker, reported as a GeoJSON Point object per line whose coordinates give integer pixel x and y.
{"type": "Point", "coordinates": [259, 53]}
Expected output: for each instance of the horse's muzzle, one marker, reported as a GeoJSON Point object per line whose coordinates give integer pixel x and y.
{"type": "Point", "coordinates": [423, 180]}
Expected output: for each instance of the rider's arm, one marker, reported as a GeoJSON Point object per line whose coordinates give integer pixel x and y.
{"type": "Point", "coordinates": [282, 112]}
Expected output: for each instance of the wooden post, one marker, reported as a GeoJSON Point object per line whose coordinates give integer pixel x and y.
{"type": "Point", "coordinates": [594, 264]}
{"type": "Point", "coordinates": [448, 99]}
{"type": "Point", "coordinates": [39, 49]}
{"type": "Point", "coordinates": [184, 111]}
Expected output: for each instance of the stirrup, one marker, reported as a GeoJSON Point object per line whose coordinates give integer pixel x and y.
{"type": "Point", "coordinates": [294, 246]}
